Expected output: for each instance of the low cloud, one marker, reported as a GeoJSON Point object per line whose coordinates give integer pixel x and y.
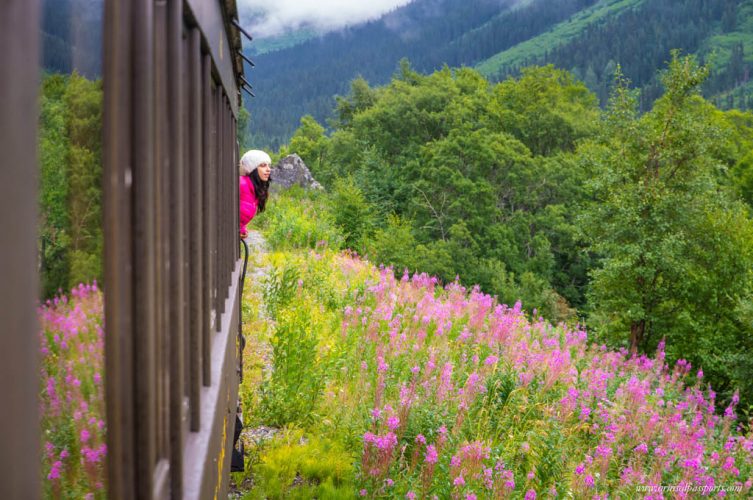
{"type": "Point", "coordinates": [267, 18]}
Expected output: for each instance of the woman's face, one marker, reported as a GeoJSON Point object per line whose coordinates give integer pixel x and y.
{"type": "Point", "coordinates": [264, 171]}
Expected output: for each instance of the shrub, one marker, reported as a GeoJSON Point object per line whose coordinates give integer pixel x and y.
{"type": "Point", "coordinates": [351, 212]}
{"type": "Point", "coordinates": [290, 394]}
{"type": "Point", "coordinates": [297, 220]}
{"type": "Point", "coordinates": [298, 466]}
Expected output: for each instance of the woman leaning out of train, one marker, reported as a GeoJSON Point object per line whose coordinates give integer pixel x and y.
{"type": "Point", "coordinates": [255, 168]}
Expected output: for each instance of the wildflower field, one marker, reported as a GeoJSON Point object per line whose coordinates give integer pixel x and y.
{"type": "Point", "coordinates": [385, 386]}
{"type": "Point", "coordinates": [72, 395]}
{"type": "Point", "coordinates": [399, 387]}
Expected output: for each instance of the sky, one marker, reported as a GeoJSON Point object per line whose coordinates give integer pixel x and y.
{"type": "Point", "coordinates": [324, 15]}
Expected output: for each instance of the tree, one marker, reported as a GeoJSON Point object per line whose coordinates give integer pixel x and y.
{"type": "Point", "coordinates": [676, 248]}
{"type": "Point", "coordinates": [84, 103]}
{"type": "Point", "coordinates": [310, 143]}
{"type": "Point", "coordinates": [546, 109]}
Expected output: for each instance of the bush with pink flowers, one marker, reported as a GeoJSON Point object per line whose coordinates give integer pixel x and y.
{"type": "Point", "coordinates": [443, 392]}
{"type": "Point", "coordinates": [72, 395]}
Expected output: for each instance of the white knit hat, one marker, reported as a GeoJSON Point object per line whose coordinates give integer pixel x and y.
{"type": "Point", "coordinates": [252, 159]}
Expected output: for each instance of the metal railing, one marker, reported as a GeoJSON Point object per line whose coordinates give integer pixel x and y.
{"type": "Point", "coordinates": [171, 259]}
{"type": "Point", "coordinates": [20, 445]}
{"type": "Point", "coordinates": [171, 263]}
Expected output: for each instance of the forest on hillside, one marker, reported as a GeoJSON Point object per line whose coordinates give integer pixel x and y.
{"type": "Point", "coordinates": [70, 198]}
{"type": "Point", "coordinates": [637, 225]}
{"type": "Point", "coordinates": [637, 35]}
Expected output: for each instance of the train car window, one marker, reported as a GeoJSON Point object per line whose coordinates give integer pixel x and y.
{"type": "Point", "coordinates": [120, 260]}
{"type": "Point", "coordinates": [70, 247]}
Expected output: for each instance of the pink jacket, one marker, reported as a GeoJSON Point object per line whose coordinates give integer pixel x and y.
{"type": "Point", "coordinates": [247, 202]}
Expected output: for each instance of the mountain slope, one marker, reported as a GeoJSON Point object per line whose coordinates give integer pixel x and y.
{"type": "Point", "coordinates": [71, 35]}
{"type": "Point", "coordinates": [430, 33]}
{"type": "Point", "coordinates": [539, 46]}
{"type": "Point", "coordinates": [639, 36]}
{"type": "Point", "coordinates": [587, 37]}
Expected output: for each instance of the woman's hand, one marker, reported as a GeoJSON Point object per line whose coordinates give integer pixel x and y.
{"type": "Point", "coordinates": [243, 233]}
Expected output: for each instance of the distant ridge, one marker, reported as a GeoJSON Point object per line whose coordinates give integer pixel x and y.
{"type": "Point", "coordinates": [587, 37]}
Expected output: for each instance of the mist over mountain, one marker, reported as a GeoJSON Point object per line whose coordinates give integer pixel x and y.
{"type": "Point", "coordinates": [267, 18]}
{"type": "Point", "coordinates": [71, 35]}
{"type": "Point", "coordinates": [588, 37]}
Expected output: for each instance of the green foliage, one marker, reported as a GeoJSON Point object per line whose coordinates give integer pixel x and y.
{"type": "Point", "coordinates": [279, 289]}
{"type": "Point", "coordinates": [294, 221]}
{"type": "Point", "coordinates": [54, 225]}
{"type": "Point", "coordinates": [290, 393]}
{"type": "Point", "coordinates": [242, 131]}
{"type": "Point", "coordinates": [351, 212]}
{"type": "Point", "coordinates": [71, 179]}
{"type": "Point", "coordinates": [676, 248]}
{"type": "Point", "coordinates": [480, 180]}
{"type": "Point", "coordinates": [361, 97]}
{"type": "Point", "coordinates": [394, 245]}
{"type": "Point", "coordinates": [547, 109]}
{"type": "Point", "coordinates": [84, 102]}
{"type": "Point", "coordinates": [526, 189]}
{"type": "Point", "coordinates": [295, 465]}
{"type": "Point", "coordinates": [310, 143]}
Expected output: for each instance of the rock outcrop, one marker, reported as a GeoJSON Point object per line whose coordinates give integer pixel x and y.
{"type": "Point", "coordinates": [290, 171]}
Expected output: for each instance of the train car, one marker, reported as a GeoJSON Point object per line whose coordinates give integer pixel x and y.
{"type": "Point", "coordinates": [172, 73]}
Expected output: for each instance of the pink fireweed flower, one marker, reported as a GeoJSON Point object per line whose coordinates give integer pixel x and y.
{"type": "Point", "coordinates": [363, 493]}
{"type": "Point", "coordinates": [382, 366]}
{"type": "Point", "coordinates": [490, 360]}
{"type": "Point", "coordinates": [420, 439]}
{"type": "Point", "coordinates": [410, 495]}
{"type": "Point", "coordinates": [530, 495]}
{"type": "Point", "coordinates": [470, 496]}
{"type": "Point", "coordinates": [55, 471]}
{"type": "Point", "coordinates": [603, 451]}
{"type": "Point", "coordinates": [459, 481]}
{"type": "Point", "coordinates": [431, 454]}
{"type": "Point", "coordinates": [393, 422]}
{"type": "Point", "coordinates": [585, 412]}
